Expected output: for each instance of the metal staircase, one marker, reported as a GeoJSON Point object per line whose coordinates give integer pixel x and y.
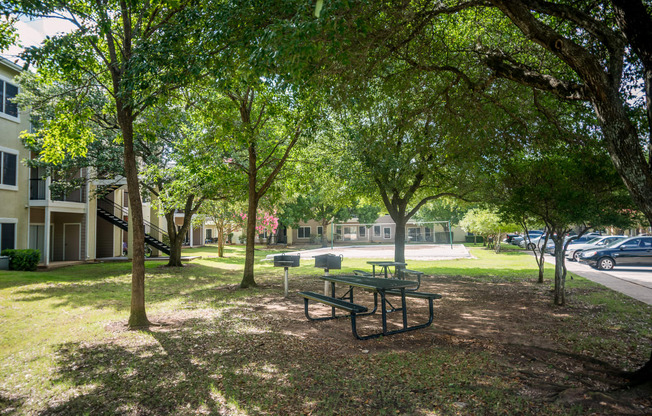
{"type": "Point", "coordinates": [105, 210]}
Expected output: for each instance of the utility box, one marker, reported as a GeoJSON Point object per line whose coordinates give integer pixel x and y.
{"type": "Point", "coordinates": [4, 262]}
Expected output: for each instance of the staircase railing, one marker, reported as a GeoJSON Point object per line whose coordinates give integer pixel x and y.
{"type": "Point", "coordinates": [112, 207]}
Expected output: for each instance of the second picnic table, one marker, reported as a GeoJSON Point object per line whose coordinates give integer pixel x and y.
{"type": "Point", "coordinates": [384, 265]}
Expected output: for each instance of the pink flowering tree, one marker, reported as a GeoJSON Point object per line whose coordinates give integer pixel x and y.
{"type": "Point", "coordinates": [266, 222]}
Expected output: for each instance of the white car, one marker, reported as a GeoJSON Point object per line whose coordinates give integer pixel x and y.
{"type": "Point", "coordinates": [532, 242]}
{"type": "Point", "coordinates": [574, 250]}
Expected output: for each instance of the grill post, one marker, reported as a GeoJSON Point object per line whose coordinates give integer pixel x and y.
{"type": "Point", "coordinates": [285, 282]}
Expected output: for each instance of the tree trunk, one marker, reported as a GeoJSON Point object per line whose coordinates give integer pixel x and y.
{"type": "Point", "coordinates": [540, 280]}
{"type": "Point", "coordinates": [248, 276]}
{"type": "Point", "coordinates": [188, 211]}
{"type": "Point", "coordinates": [560, 275]}
{"type": "Point", "coordinates": [497, 243]}
{"type": "Point", "coordinates": [138, 316]}
{"type": "Point", "coordinates": [626, 154]}
{"type": "Point", "coordinates": [176, 240]}
{"type": "Point", "coordinates": [541, 261]}
{"type": "Point", "coordinates": [324, 226]}
{"type": "Point", "coordinates": [175, 251]}
{"type": "Point", "coordinates": [399, 239]}
{"type": "Point", "coordinates": [539, 257]}
{"type": "Point", "coordinates": [221, 238]}
{"type": "Point", "coordinates": [642, 375]}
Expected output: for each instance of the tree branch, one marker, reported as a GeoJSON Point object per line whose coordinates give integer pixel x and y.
{"type": "Point", "coordinates": [498, 63]}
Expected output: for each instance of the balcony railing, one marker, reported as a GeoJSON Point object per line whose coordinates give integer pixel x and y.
{"type": "Point", "coordinates": [37, 192]}
{"type": "Point", "coordinates": [36, 189]}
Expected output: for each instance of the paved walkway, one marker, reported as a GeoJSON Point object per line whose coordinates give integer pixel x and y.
{"type": "Point", "coordinates": [633, 281]}
{"type": "Point", "coordinates": [412, 252]}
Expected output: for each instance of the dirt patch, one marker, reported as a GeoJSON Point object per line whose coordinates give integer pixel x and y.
{"type": "Point", "coordinates": [514, 321]}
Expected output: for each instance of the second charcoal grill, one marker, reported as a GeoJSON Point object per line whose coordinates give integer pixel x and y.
{"type": "Point", "coordinates": [327, 262]}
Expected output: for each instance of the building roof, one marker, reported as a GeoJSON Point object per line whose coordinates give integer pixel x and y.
{"type": "Point", "coordinates": [6, 62]}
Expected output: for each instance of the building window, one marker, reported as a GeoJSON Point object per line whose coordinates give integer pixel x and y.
{"type": "Point", "coordinates": [7, 93]}
{"type": "Point", "coordinates": [362, 231]}
{"type": "Point", "coordinates": [320, 230]}
{"type": "Point", "coordinates": [7, 235]}
{"type": "Point", "coordinates": [8, 168]}
{"type": "Point", "coordinates": [304, 232]}
{"type": "Point", "coordinates": [387, 232]}
{"type": "Point", "coordinates": [376, 230]}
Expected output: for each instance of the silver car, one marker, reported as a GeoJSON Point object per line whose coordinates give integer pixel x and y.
{"type": "Point", "coordinates": [574, 250]}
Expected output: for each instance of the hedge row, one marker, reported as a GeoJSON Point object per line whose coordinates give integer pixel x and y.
{"type": "Point", "coordinates": [25, 260]}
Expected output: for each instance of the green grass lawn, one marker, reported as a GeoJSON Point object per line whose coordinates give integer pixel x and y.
{"type": "Point", "coordinates": [64, 349]}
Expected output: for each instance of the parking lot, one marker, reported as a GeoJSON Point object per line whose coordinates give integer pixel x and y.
{"type": "Point", "coordinates": [633, 281]}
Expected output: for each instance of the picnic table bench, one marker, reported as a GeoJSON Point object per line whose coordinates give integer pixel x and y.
{"type": "Point", "coordinates": [380, 287]}
{"type": "Point", "coordinates": [331, 301]}
{"type": "Point", "coordinates": [407, 272]}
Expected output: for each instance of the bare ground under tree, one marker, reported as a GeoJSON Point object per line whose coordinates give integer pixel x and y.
{"type": "Point", "coordinates": [514, 323]}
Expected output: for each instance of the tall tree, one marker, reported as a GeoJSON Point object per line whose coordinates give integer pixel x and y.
{"type": "Point", "coordinates": [224, 214]}
{"type": "Point", "coordinates": [400, 147]}
{"type": "Point", "coordinates": [133, 52]}
{"type": "Point", "coordinates": [564, 188]}
{"type": "Point", "coordinates": [255, 127]}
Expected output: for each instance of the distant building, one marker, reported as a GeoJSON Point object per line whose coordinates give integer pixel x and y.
{"type": "Point", "coordinates": [383, 230]}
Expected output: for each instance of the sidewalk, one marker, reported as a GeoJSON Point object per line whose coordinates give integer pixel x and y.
{"type": "Point", "coordinates": [635, 282]}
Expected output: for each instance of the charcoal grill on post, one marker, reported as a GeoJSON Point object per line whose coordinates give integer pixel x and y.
{"type": "Point", "coordinates": [328, 261]}
{"type": "Point", "coordinates": [286, 261]}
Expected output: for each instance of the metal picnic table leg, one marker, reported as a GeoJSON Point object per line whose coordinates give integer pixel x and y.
{"type": "Point", "coordinates": [383, 310]}
{"type": "Point", "coordinates": [403, 306]}
{"type": "Point", "coordinates": [333, 295]}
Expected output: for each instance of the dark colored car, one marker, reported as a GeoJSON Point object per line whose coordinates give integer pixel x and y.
{"type": "Point", "coordinates": [574, 250]}
{"type": "Point", "coordinates": [509, 237]}
{"type": "Point", "coordinates": [633, 250]}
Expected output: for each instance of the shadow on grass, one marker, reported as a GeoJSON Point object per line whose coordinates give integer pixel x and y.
{"type": "Point", "coordinates": [8, 404]}
{"type": "Point", "coordinates": [109, 285]}
{"type": "Point", "coordinates": [196, 284]}
{"type": "Point", "coordinates": [227, 367]}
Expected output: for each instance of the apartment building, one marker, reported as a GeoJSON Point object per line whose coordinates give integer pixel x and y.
{"type": "Point", "coordinates": [383, 230]}
{"type": "Point", "coordinates": [14, 176]}
{"type": "Point", "coordinates": [86, 223]}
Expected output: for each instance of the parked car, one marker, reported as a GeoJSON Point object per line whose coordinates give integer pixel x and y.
{"type": "Point", "coordinates": [632, 250]}
{"type": "Point", "coordinates": [510, 237]}
{"type": "Point", "coordinates": [550, 245]}
{"type": "Point", "coordinates": [574, 250]}
{"type": "Point", "coordinates": [530, 241]}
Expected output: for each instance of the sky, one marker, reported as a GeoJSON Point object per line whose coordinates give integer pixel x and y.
{"type": "Point", "coordinates": [33, 32]}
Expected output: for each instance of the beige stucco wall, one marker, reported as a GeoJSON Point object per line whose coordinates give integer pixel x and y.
{"type": "Point", "coordinates": [14, 201]}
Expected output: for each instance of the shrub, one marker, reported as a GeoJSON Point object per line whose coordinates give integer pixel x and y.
{"type": "Point", "coordinates": [25, 260]}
